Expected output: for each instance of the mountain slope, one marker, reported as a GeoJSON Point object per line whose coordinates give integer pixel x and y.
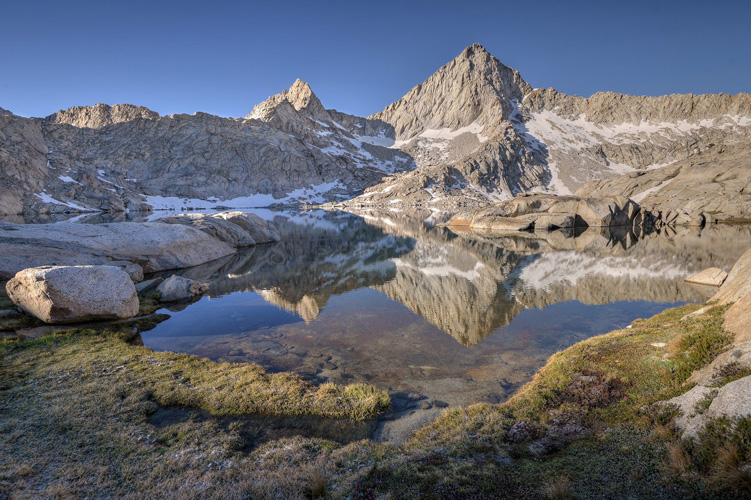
{"type": "Point", "coordinates": [472, 133]}
{"type": "Point", "coordinates": [492, 136]}
{"type": "Point", "coordinates": [128, 158]}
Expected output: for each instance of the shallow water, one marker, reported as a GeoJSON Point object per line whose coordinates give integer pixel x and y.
{"type": "Point", "coordinates": [390, 300]}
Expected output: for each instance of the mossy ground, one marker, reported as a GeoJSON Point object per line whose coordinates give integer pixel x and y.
{"type": "Point", "coordinates": [87, 414]}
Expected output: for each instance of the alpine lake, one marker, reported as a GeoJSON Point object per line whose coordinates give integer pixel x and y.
{"type": "Point", "coordinates": [396, 300]}
{"type": "Point", "coordinates": [435, 316]}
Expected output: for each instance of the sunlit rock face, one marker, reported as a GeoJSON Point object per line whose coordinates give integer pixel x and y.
{"type": "Point", "coordinates": [289, 150]}
{"type": "Point", "coordinates": [472, 133]}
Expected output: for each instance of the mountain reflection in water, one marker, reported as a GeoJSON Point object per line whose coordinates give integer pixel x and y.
{"type": "Point", "coordinates": [371, 297]}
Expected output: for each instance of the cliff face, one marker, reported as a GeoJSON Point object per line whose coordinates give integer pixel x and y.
{"type": "Point", "coordinates": [472, 133]}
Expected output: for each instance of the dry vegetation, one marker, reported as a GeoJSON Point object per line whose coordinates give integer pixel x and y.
{"type": "Point", "coordinates": [87, 414]}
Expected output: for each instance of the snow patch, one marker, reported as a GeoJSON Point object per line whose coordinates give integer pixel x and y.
{"type": "Point", "coordinates": [313, 194]}
{"type": "Point", "coordinates": [570, 267]}
{"type": "Point", "coordinates": [49, 199]}
{"type": "Point", "coordinates": [66, 179]}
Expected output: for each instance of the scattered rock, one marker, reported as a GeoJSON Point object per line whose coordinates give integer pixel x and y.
{"type": "Point", "coordinates": [439, 404]}
{"type": "Point", "coordinates": [711, 276]}
{"type": "Point", "coordinates": [177, 288]}
{"type": "Point", "coordinates": [72, 294]}
{"type": "Point", "coordinates": [731, 400]}
{"type": "Point", "coordinates": [148, 285]}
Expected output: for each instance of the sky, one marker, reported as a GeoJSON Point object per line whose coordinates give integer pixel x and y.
{"type": "Point", "coordinates": [224, 57]}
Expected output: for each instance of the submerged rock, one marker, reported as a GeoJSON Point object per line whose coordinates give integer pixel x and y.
{"type": "Point", "coordinates": [71, 294]}
{"type": "Point", "coordinates": [177, 288]}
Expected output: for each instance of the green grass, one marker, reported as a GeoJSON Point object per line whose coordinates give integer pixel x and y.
{"type": "Point", "coordinates": [584, 427]}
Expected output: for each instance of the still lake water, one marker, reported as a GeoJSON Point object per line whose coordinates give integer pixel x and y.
{"type": "Point", "coordinates": [390, 299]}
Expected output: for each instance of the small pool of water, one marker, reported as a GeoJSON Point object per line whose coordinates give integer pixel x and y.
{"type": "Point", "coordinates": [390, 300]}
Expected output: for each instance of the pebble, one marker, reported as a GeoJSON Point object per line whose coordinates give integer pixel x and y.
{"type": "Point", "coordinates": [439, 404]}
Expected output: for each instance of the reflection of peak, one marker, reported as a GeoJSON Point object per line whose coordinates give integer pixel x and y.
{"type": "Point", "coordinates": [452, 289]}
{"type": "Point", "coordinates": [307, 307]}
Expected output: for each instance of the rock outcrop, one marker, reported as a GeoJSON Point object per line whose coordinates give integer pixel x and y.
{"type": "Point", "coordinates": [73, 294]}
{"type": "Point", "coordinates": [173, 242]}
{"type": "Point", "coordinates": [542, 212]}
{"type": "Point", "coordinates": [152, 245]}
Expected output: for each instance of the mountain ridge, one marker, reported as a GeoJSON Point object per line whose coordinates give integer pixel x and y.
{"type": "Point", "coordinates": [474, 132]}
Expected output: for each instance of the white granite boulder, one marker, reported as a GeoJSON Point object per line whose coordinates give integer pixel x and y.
{"type": "Point", "coordinates": [260, 230]}
{"type": "Point", "coordinates": [72, 294]}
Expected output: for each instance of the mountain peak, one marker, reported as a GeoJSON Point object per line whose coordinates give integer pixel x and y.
{"type": "Point", "coordinates": [474, 85]}
{"type": "Point", "coordinates": [473, 49]}
{"type": "Point", "coordinates": [300, 96]}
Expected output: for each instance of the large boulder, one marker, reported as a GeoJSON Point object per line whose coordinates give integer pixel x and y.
{"type": "Point", "coordinates": [177, 288]}
{"type": "Point", "coordinates": [220, 229]}
{"type": "Point", "coordinates": [72, 294]}
{"type": "Point", "coordinates": [260, 230]}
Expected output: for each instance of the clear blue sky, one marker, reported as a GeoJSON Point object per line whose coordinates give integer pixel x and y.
{"type": "Point", "coordinates": [223, 57]}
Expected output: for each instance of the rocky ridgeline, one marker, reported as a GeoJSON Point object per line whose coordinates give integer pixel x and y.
{"type": "Point", "coordinates": [472, 133]}
{"type": "Point", "coordinates": [116, 158]}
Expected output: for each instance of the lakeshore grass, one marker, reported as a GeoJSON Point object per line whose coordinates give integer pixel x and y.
{"type": "Point", "coordinates": [83, 413]}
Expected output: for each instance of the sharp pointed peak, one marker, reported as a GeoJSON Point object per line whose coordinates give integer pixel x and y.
{"type": "Point", "coordinates": [475, 48]}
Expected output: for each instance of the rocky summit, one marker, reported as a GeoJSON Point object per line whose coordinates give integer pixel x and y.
{"type": "Point", "coordinates": [472, 133]}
